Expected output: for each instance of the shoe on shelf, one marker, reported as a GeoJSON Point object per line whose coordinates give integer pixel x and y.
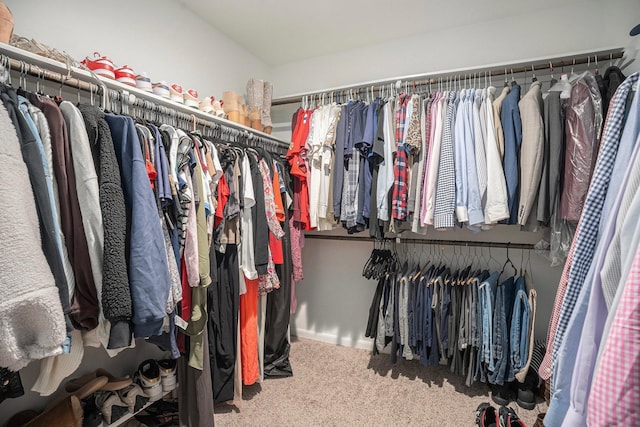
{"type": "Point", "coordinates": [486, 415]}
{"type": "Point", "coordinates": [67, 412]}
{"type": "Point", "coordinates": [509, 418]}
{"type": "Point", "coordinates": [143, 82]}
{"type": "Point", "coordinates": [111, 406]}
{"type": "Point", "coordinates": [191, 98]}
{"type": "Point", "coordinates": [175, 93]}
{"type": "Point", "coordinates": [125, 75]}
{"type": "Point", "coordinates": [148, 377]}
{"type": "Point", "coordinates": [101, 65]}
{"type": "Point", "coordinates": [218, 111]}
{"type": "Point", "coordinates": [161, 89]}
{"type": "Point", "coordinates": [168, 374]}
{"type": "Point", "coordinates": [134, 397]}
{"type": "Point", "coordinates": [206, 105]}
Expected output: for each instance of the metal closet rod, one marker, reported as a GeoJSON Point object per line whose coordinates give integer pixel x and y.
{"type": "Point", "coordinates": [434, 78]}
{"type": "Point", "coordinates": [435, 242]}
{"type": "Point", "coordinates": [143, 100]}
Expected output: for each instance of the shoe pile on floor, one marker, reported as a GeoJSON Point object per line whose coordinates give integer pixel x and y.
{"type": "Point", "coordinates": [100, 397]}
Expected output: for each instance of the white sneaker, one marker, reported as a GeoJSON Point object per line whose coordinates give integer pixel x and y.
{"type": "Point", "coordinates": [175, 93]}
{"type": "Point", "coordinates": [191, 98]}
{"type": "Point", "coordinates": [161, 89]}
{"type": "Point", "coordinates": [143, 82]}
{"type": "Point", "coordinates": [148, 376]}
{"type": "Point", "coordinates": [168, 374]}
{"type": "Point", "coordinates": [206, 105]}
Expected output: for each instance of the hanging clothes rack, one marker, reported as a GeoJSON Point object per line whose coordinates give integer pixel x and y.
{"type": "Point", "coordinates": [435, 242]}
{"type": "Point", "coordinates": [114, 93]}
{"type": "Point", "coordinates": [488, 71]}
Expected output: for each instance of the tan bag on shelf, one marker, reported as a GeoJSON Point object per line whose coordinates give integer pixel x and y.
{"type": "Point", "coordinates": [6, 23]}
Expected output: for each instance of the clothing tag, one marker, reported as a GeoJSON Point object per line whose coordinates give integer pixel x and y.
{"type": "Point", "coordinates": [181, 323]}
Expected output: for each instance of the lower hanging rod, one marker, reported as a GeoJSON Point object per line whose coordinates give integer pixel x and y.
{"type": "Point", "coordinates": [435, 242]}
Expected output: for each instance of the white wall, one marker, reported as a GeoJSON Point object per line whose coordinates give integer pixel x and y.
{"type": "Point", "coordinates": [160, 37]}
{"type": "Point", "coordinates": [568, 27]}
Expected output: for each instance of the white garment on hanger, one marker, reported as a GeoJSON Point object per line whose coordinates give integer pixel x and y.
{"type": "Point", "coordinates": [496, 208]}
{"type": "Point", "coordinates": [385, 171]}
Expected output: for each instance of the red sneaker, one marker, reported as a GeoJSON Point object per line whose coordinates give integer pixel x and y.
{"type": "Point", "coordinates": [125, 75]}
{"type": "Point", "coordinates": [101, 65]}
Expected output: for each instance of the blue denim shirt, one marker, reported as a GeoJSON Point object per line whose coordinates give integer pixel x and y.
{"type": "Point", "coordinates": [487, 291]}
{"type": "Point", "coordinates": [501, 325]}
{"type": "Point", "coordinates": [519, 334]}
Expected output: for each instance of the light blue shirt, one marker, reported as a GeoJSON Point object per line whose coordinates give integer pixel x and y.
{"type": "Point", "coordinates": [460, 155]}
{"type": "Point", "coordinates": [474, 199]}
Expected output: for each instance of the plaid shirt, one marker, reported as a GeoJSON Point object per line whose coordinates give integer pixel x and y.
{"type": "Point", "coordinates": [445, 192]}
{"type": "Point", "coordinates": [586, 235]}
{"type": "Point", "coordinates": [616, 384]}
{"type": "Point", "coordinates": [400, 166]}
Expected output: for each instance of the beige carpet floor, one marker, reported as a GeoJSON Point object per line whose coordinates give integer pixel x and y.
{"type": "Point", "coordinates": [339, 386]}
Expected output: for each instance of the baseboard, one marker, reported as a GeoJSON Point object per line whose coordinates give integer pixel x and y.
{"type": "Point", "coordinates": [362, 343]}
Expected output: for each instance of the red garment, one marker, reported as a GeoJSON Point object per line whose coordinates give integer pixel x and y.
{"type": "Point", "coordinates": [223, 197]}
{"type": "Point", "coordinates": [249, 333]}
{"type": "Point", "coordinates": [277, 196]}
{"type": "Point", "coordinates": [297, 159]}
{"type": "Point", "coordinates": [276, 249]}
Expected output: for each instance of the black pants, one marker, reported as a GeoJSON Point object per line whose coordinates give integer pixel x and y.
{"type": "Point", "coordinates": [223, 298]}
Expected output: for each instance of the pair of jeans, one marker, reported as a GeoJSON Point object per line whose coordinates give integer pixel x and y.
{"type": "Point", "coordinates": [519, 334]}
{"type": "Point", "coordinates": [487, 290]}
{"type": "Point", "coordinates": [501, 326]}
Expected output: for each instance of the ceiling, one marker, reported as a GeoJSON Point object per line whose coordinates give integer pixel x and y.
{"type": "Point", "coordinates": [283, 31]}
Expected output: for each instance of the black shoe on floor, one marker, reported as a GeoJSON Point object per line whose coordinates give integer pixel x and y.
{"type": "Point", "coordinates": [509, 418]}
{"type": "Point", "coordinates": [486, 416]}
{"type": "Point", "coordinates": [526, 391]}
{"type": "Point", "coordinates": [502, 394]}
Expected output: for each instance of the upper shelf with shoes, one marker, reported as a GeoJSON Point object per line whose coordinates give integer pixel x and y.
{"type": "Point", "coordinates": [45, 63]}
